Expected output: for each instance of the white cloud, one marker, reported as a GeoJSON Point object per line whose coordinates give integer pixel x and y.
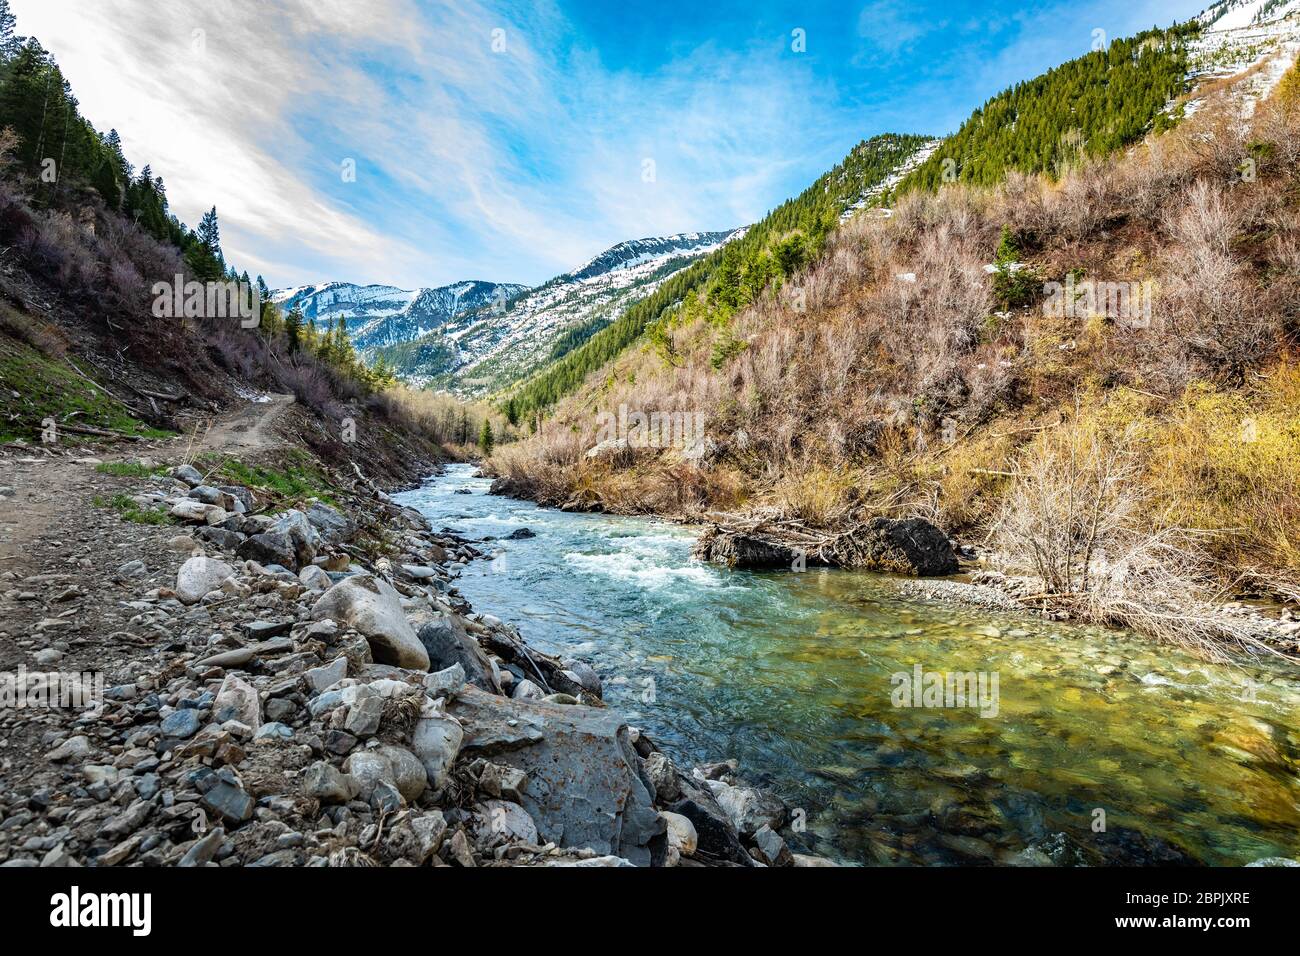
{"type": "Point", "coordinates": [509, 165]}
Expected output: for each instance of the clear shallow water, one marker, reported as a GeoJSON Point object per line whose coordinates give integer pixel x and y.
{"type": "Point", "coordinates": [790, 674]}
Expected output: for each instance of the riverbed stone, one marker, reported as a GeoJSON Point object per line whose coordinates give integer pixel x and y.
{"type": "Point", "coordinates": [371, 606]}
{"type": "Point", "coordinates": [198, 576]}
{"type": "Point", "coordinates": [584, 788]}
{"type": "Point", "coordinates": [447, 643]}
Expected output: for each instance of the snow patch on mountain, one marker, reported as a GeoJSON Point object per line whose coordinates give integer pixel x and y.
{"type": "Point", "coordinates": [382, 315]}
{"type": "Point", "coordinates": [482, 348]}
{"type": "Point", "coordinates": [1260, 38]}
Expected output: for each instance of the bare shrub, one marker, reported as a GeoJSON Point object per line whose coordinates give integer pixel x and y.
{"type": "Point", "coordinates": [1075, 519]}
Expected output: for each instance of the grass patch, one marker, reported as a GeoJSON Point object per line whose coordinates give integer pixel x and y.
{"type": "Point", "coordinates": [295, 476]}
{"type": "Point", "coordinates": [34, 387]}
{"type": "Point", "coordinates": [129, 469]}
{"type": "Point", "coordinates": [130, 510]}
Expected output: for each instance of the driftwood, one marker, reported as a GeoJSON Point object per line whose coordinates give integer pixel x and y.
{"type": "Point", "coordinates": [911, 546]}
{"type": "Point", "coordinates": [97, 432]}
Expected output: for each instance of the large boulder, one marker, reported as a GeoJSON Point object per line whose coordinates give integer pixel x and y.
{"type": "Point", "coordinates": [268, 549]}
{"type": "Point", "coordinates": [911, 546]}
{"type": "Point", "coordinates": [447, 644]}
{"type": "Point", "coordinates": [301, 535]}
{"type": "Point", "coordinates": [331, 524]}
{"type": "Point", "coordinates": [584, 787]}
{"type": "Point", "coordinates": [198, 576]}
{"type": "Point", "coordinates": [371, 606]}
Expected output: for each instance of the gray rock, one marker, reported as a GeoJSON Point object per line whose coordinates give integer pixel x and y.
{"type": "Point", "coordinates": [372, 607]}
{"type": "Point", "coordinates": [198, 576]}
{"type": "Point", "coordinates": [330, 524]}
{"type": "Point", "coordinates": [327, 675]}
{"type": "Point", "coordinates": [302, 536]}
{"type": "Point", "coordinates": [229, 802]}
{"type": "Point", "coordinates": [509, 783]}
{"type": "Point", "coordinates": [446, 682]}
{"type": "Point", "coordinates": [436, 741]}
{"type": "Point", "coordinates": [365, 714]}
{"type": "Point", "coordinates": [368, 768]}
{"type": "Point", "coordinates": [507, 819]}
{"type": "Point", "coordinates": [181, 724]}
{"type": "Point", "coordinates": [527, 690]}
{"type": "Point", "coordinates": [447, 643]}
{"type": "Point", "coordinates": [187, 474]}
{"type": "Point", "coordinates": [771, 847]}
{"type": "Point", "coordinates": [325, 783]}
{"type": "Point", "coordinates": [749, 809]}
{"type": "Point", "coordinates": [205, 849]}
{"type": "Point", "coordinates": [663, 775]}
{"type": "Point", "coordinates": [417, 838]}
{"type": "Point", "coordinates": [274, 730]}
{"type": "Point", "coordinates": [74, 748]}
{"type": "Point", "coordinates": [131, 570]}
{"type": "Point", "coordinates": [314, 578]}
{"type": "Point", "coordinates": [584, 788]}
{"type": "Point", "coordinates": [408, 773]}
{"type": "Point", "coordinates": [269, 548]}
{"type": "Point", "coordinates": [238, 700]}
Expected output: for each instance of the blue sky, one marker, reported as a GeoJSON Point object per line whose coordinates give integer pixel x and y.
{"type": "Point", "coordinates": [513, 141]}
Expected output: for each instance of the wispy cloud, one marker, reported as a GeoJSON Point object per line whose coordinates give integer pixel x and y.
{"type": "Point", "coordinates": [504, 140]}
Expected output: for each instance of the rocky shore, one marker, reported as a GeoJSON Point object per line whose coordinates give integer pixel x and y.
{"type": "Point", "coordinates": [290, 686]}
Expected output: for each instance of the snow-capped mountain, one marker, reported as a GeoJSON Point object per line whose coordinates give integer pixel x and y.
{"type": "Point", "coordinates": [479, 349]}
{"type": "Point", "coordinates": [1262, 36]}
{"type": "Point", "coordinates": [382, 315]}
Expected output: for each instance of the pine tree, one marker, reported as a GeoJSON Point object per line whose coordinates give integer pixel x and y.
{"type": "Point", "coordinates": [293, 329]}
{"type": "Point", "coordinates": [485, 438]}
{"type": "Point", "coordinates": [9, 42]}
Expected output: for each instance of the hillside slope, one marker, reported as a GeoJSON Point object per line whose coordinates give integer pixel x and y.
{"type": "Point", "coordinates": [1122, 331]}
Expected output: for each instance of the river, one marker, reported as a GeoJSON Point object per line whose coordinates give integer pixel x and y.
{"type": "Point", "coordinates": [1097, 747]}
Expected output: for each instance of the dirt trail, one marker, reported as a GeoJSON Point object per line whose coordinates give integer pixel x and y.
{"type": "Point", "coordinates": [45, 496]}
{"type": "Point", "coordinates": [248, 429]}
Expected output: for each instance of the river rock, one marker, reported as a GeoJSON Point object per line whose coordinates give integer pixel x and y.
{"type": "Point", "coordinates": [911, 546]}
{"type": "Point", "coordinates": [327, 784]}
{"type": "Point", "coordinates": [198, 576]}
{"type": "Point", "coordinates": [301, 534]}
{"type": "Point", "coordinates": [436, 740]}
{"type": "Point", "coordinates": [508, 819]}
{"type": "Point", "coordinates": [682, 838]}
{"type": "Point", "coordinates": [330, 524]}
{"type": "Point", "coordinates": [771, 848]}
{"type": "Point", "coordinates": [446, 682]}
{"type": "Point", "coordinates": [748, 808]}
{"type": "Point", "coordinates": [269, 548]}
{"type": "Point", "coordinates": [446, 642]}
{"type": "Point", "coordinates": [584, 789]}
{"type": "Point", "coordinates": [664, 777]}
{"type": "Point", "coordinates": [238, 700]}
{"type": "Point", "coordinates": [371, 606]}
{"type": "Point", "coordinates": [745, 551]}
{"type": "Point", "coordinates": [327, 675]}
